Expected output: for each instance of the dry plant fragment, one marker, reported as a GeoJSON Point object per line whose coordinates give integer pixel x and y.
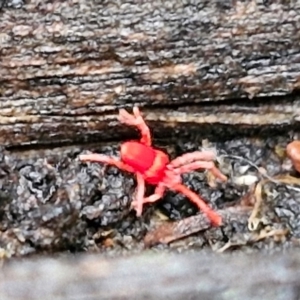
{"type": "Point", "coordinates": [172, 231]}
{"type": "Point", "coordinates": [253, 237]}
{"type": "Point", "coordinates": [256, 219]}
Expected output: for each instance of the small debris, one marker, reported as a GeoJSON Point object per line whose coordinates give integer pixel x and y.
{"type": "Point", "coordinates": [171, 231]}
{"type": "Point", "coordinates": [247, 180]}
{"type": "Point", "coordinates": [256, 217]}
{"type": "Point", "coordinates": [278, 235]}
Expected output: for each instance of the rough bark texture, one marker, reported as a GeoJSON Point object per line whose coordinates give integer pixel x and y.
{"type": "Point", "coordinates": [67, 66]}
{"type": "Point", "coordinates": [189, 276]}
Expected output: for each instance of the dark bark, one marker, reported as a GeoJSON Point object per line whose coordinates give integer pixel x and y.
{"type": "Point", "coordinates": [185, 276]}
{"type": "Point", "coordinates": [67, 66]}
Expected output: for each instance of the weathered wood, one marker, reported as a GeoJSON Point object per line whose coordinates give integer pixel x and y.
{"type": "Point", "coordinates": [149, 276]}
{"type": "Point", "coordinates": [66, 66]}
{"type": "Point", "coordinates": [206, 121]}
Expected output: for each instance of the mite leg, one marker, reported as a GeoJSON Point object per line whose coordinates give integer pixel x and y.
{"type": "Point", "coordinates": [136, 120]}
{"type": "Point", "coordinates": [94, 157]}
{"type": "Point", "coordinates": [208, 165]}
{"type": "Point", "coordinates": [214, 217]}
{"type": "Point", "coordinates": [158, 194]}
{"type": "Point", "coordinates": [137, 204]}
{"type": "Point", "coordinates": [191, 157]}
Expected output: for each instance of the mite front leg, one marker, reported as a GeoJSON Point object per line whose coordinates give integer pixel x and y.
{"type": "Point", "coordinates": [208, 165]}
{"type": "Point", "coordinates": [100, 158]}
{"type": "Point", "coordinates": [137, 204]}
{"type": "Point", "coordinates": [214, 217]}
{"type": "Point", "coordinates": [136, 120]}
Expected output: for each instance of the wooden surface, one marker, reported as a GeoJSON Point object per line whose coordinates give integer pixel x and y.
{"type": "Point", "coordinates": [67, 66]}
{"type": "Point", "coordinates": [149, 276]}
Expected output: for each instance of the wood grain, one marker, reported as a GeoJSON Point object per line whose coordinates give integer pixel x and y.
{"type": "Point", "coordinates": [66, 67]}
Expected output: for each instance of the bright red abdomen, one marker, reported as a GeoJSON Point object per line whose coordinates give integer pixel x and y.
{"type": "Point", "coordinates": [137, 155]}
{"type": "Point", "coordinates": [151, 163]}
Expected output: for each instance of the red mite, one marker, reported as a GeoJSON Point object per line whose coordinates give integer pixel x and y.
{"type": "Point", "coordinates": [154, 167]}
